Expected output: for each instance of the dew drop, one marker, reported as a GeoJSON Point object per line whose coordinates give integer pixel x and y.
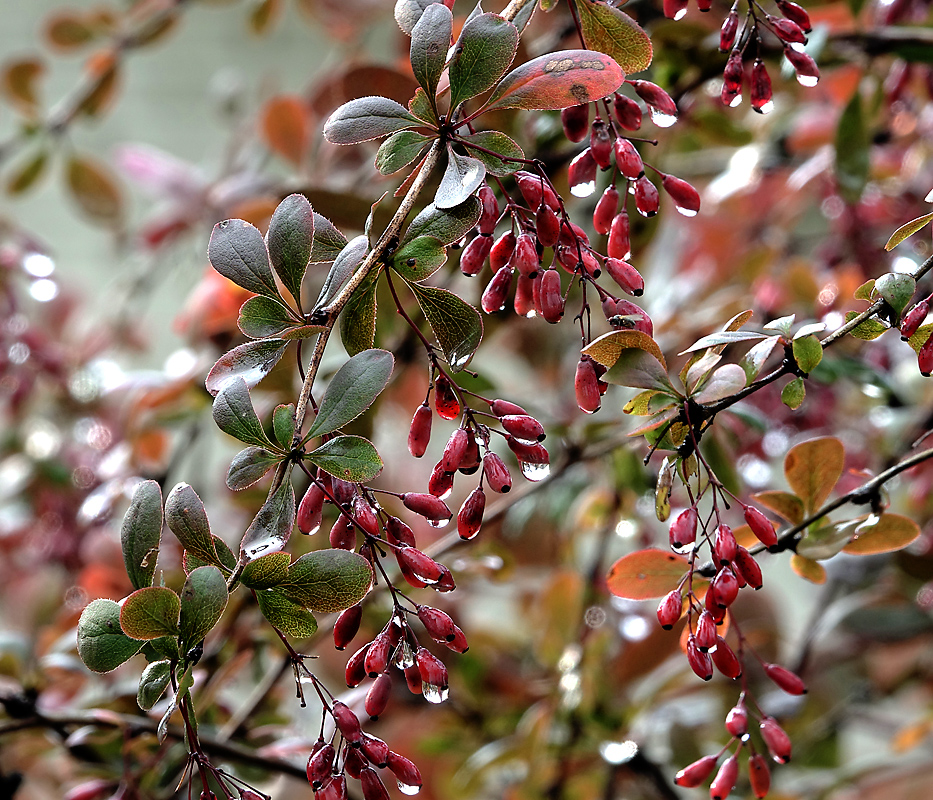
{"type": "Point", "coordinates": [439, 523]}
{"type": "Point", "coordinates": [434, 694]}
{"type": "Point", "coordinates": [583, 189]}
{"type": "Point", "coordinates": [661, 119]}
{"type": "Point", "coordinates": [808, 80]}
{"type": "Point", "coordinates": [405, 788]}
{"type": "Point", "coordinates": [767, 108]}
{"type": "Point", "coordinates": [531, 314]}
{"type": "Point", "coordinates": [680, 14]}
{"type": "Point", "coordinates": [687, 212]}
{"type": "Point", "coordinates": [684, 548]}
{"type": "Point", "coordinates": [535, 472]}
{"type": "Point", "coordinates": [404, 658]}
{"type": "Point", "coordinates": [736, 101]}
{"type": "Point", "coordinates": [314, 530]}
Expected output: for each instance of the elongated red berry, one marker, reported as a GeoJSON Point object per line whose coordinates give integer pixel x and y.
{"type": "Point", "coordinates": [761, 526]}
{"type": "Point", "coordinates": [470, 461]}
{"type": "Point", "coordinates": [490, 216]}
{"type": "Point", "coordinates": [454, 450]}
{"type": "Point", "coordinates": [683, 530]}
{"type": "Point", "coordinates": [320, 764]}
{"type": "Point", "coordinates": [377, 657]}
{"type": "Point", "coordinates": [619, 244]}
{"type": "Point", "coordinates": [582, 174]}
{"type": "Point", "coordinates": [745, 563]}
{"type": "Point", "coordinates": [777, 741]}
{"type": "Point", "coordinates": [441, 482]}
{"type": "Point", "coordinates": [686, 198]}
{"type": "Point", "coordinates": [535, 190]}
{"type": "Point", "coordinates": [732, 78]}
{"type": "Point", "coordinates": [525, 256]}
{"type": "Point", "coordinates": [347, 625]}
{"type": "Point", "coordinates": [372, 785]}
{"type": "Point", "coordinates": [502, 250]}
{"type": "Point", "coordinates": [694, 774]}
{"type": "Point", "coordinates": [496, 473]}
{"type": "Point", "coordinates": [670, 608]}
{"type": "Point", "coordinates": [706, 632]}
{"type": "Point", "coordinates": [470, 516]}
{"type": "Point", "coordinates": [308, 515]}
{"type": "Point", "coordinates": [523, 427]}
{"type": "Point", "coordinates": [627, 112]}
{"type": "Point", "coordinates": [647, 200]}
{"type": "Point", "coordinates": [334, 789]}
{"type": "Point", "coordinates": [398, 532]}
{"type": "Point", "coordinates": [606, 209]}
{"type": "Point", "coordinates": [502, 408]}
{"type": "Point", "coordinates": [364, 515]}
{"type": "Point", "coordinates": [445, 401]}
{"type": "Point", "coordinates": [796, 13]}
{"type": "Point", "coordinates": [547, 225]}
{"type": "Point", "coordinates": [737, 720]}
{"type": "Point", "coordinates": [699, 662]}
{"type": "Point", "coordinates": [404, 770]}
{"type": "Point", "coordinates": [787, 30]}
{"type": "Point", "coordinates": [725, 659]}
{"type": "Point", "coordinates": [530, 453]}
{"type": "Point", "coordinates": [419, 434]}
{"type": "Point", "coordinates": [627, 278]}
{"type": "Point", "coordinates": [432, 669]}
{"type": "Point", "coordinates": [474, 255]}
{"type": "Point", "coordinates": [628, 159]}
{"type": "Point", "coordinates": [760, 88]}
{"type": "Point", "coordinates": [725, 586]}
{"type": "Point", "coordinates": [925, 358]}
{"type": "Point", "coordinates": [660, 104]}
{"type": "Point", "coordinates": [420, 564]}
{"type": "Point", "coordinates": [355, 672]}
{"type": "Point", "coordinates": [725, 779]}
{"type": "Point", "coordinates": [497, 291]}
{"type": "Point", "coordinates": [343, 534]}
{"type": "Point", "coordinates": [725, 546]}
{"type": "Point", "coordinates": [552, 300]}
{"type": "Point", "coordinates": [808, 73]}
{"type": "Point", "coordinates": [914, 318]}
{"type": "Point", "coordinates": [413, 679]}
{"type": "Point", "coordinates": [675, 9]}
{"type": "Point", "coordinates": [377, 698]}
{"type": "Point", "coordinates": [789, 681]}
{"type": "Point", "coordinates": [440, 626]}
{"type": "Point", "coordinates": [728, 30]}
{"type": "Point", "coordinates": [601, 144]}
{"type": "Point", "coordinates": [354, 762]}
{"type": "Point", "coordinates": [759, 775]}
{"type": "Point", "coordinates": [426, 505]}
{"type": "Point", "coordinates": [576, 120]}
{"type": "Point", "coordinates": [375, 750]}
{"type": "Point", "coordinates": [585, 386]}
{"type": "Point", "coordinates": [347, 722]}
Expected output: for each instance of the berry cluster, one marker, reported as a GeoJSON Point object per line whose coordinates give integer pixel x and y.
{"type": "Point", "coordinates": [910, 324]}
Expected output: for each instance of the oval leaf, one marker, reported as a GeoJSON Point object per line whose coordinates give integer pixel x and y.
{"type": "Point", "coordinates": [463, 176]}
{"type": "Point", "coordinates": [408, 12]}
{"type": "Point", "coordinates": [150, 613]}
{"type": "Point", "coordinates": [725, 381]}
{"type": "Point", "coordinates": [794, 393]}
{"type": "Point", "coordinates": [558, 80]}
{"type": "Point", "coordinates": [420, 258]}
{"type": "Point", "coordinates": [283, 425]}
{"type": "Point", "coordinates": [350, 458]}
{"type": "Point", "coordinates": [327, 242]}
{"type": "Point", "coordinates": [352, 390]}
{"type": "Point", "coordinates": [608, 347]}
{"type": "Point", "coordinates": [808, 569]}
{"type": "Point", "coordinates": [249, 363]}
{"type": "Point", "coordinates": [187, 519]}
{"type": "Point", "coordinates": [234, 414]}
{"type": "Point", "coordinates": [457, 326]}
{"type": "Point", "coordinates": [646, 574]}
{"type": "Point", "coordinates": [498, 143]}
{"type": "Point", "coordinates": [140, 534]}
{"type": "Point", "coordinates": [399, 150]}
{"type": "Point", "coordinates": [786, 504]}
{"type": "Point", "coordinates": [95, 189]}
{"type": "Point", "coordinates": [237, 251]}
{"type": "Point", "coordinates": [289, 240]}
{"type": "Point", "coordinates": [152, 683]}
{"type": "Point", "coordinates": [908, 229]}
{"type": "Point", "coordinates": [328, 580]}
{"type": "Point", "coordinates": [808, 352]}
{"type": "Point", "coordinates": [483, 53]}
{"type": "Point", "coordinates": [616, 34]}
{"type": "Point", "coordinates": [754, 360]}
{"type": "Point", "coordinates": [267, 571]}
{"type": "Point", "coordinates": [102, 645]}
{"type": "Point", "coordinates": [262, 316]}
{"type": "Point", "coordinates": [286, 615]}
{"type": "Point", "coordinates": [812, 469]}
{"type": "Point", "coordinates": [447, 224]}
{"type": "Point", "coordinates": [883, 534]}
{"type": "Point", "coordinates": [285, 129]}
{"type": "Point", "coordinates": [203, 600]}
{"type": "Point", "coordinates": [249, 465]}
{"type": "Point", "coordinates": [430, 40]}
{"type": "Point", "coordinates": [358, 320]}
{"type": "Point", "coordinates": [722, 338]}
{"type": "Point", "coordinates": [897, 289]}
{"type": "Point", "coordinates": [345, 265]}
{"type": "Point", "coordinates": [367, 118]}
{"type": "Point", "coordinates": [272, 526]}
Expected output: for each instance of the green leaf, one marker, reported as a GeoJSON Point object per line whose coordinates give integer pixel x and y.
{"type": "Point", "coordinates": [867, 329]}
{"type": "Point", "coordinates": [266, 571]}
{"type": "Point", "coordinates": [897, 289]}
{"type": "Point", "coordinates": [753, 361]}
{"type": "Point", "coordinates": [462, 177]}
{"type": "Point", "coordinates": [614, 33]}
{"type": "Point", "coordinates": [722, 338]}
{"type": "Point", "coordinates": [408, 12]}
{"type": "Point", "coordinates": [793, 394]}
{"type": "Point", "coordinates": [291, 232]}
{"type": "Point", "coordinates": [808, 352]}
{"type": "Point", "coordinates": [327, 242]}
{"type": "Point", "coordinates": [420, 106]}
{"type": "Point", "coordinates": [786, 504]}
{"type": "Point", "coordinates": [289, 617]}
{"type": "Point", "coordinates": [272, 526]}
{"type": "Point", "coordinates": [28, 172]}
{"type": "Point", "coordinates": [185, 682]}
{"type": "Point", "coordinates": [499, 143]}
{"type": "Point", "coordinates": [237, 251]}
{"type": "Point", "coordinates": [150, 613]}
{"type": "Point", "coordinates": [456, 324]}
{"type": "Point", "coordinates": [864, 291]}
{"type": "Point", "coordinates": [813, 468]}
{"type": "Point", "coordinates": [430, 40]}
{"type": "Point", "coordinates": [283, 425]}
{"type": "Point", "coordinates": [482, 54]}
{"type": "Point", "coordinates": [400, 149]}
{"type": "Point", "coordinates": [140, 534]}
{"type": "Point", "coordinates": [646, 574]}
{"type": "Point", "coordinates": [638, 369]}
{"type": "Point", "coordinates": [186, 518]}
{"type": "Point", "coordinates": [557, 80]}
{"type": "Point", "coordinates": [852, 146]}
{"type": "Point", "coordinates": [264, 316]}
{"type": "Point", "coordinates": [352, 390]}
{"type": "Point", "coordinates": [249, 362]}
{"type": "Point", "coordinates": [226, 561]}
{"type": "Point", "coordinates": [153, 683]}
{"type": "Point", "coordinates": [367, 118]}
{"type": "Point", "coordinates": [420, 258]}
{"type": "Point", "coordinates": [102, 645]}
{"type": "Point", "coordinates": [328, 580]}
{"type": "Point", "coordinates": [826, 541]}
{"type": "Point", "coordinates": [782, 325]}
{"type": "Point", "coordinates": [607, 348]}
{"type": "Point", "coordinates": [249, 465]}
{"type": "Point", "coordinates": [358, 320]}
{"type": "Point", "coordinates": [725, 382]}
{"type": "Point", "coordinates": [908, 229]}
{"type": "Point", "coordinates": [448, 224]}
{"type": "Point", "coordinates": [647, 403]}
{"type": "Point", "coordinates": [350, 458]}
{"type": "Point", "coordinates": [345, 265]}
{"type": "Point", "coordinates": [234, 414]}
{"type": "Point", "coordinates": [203, 600]}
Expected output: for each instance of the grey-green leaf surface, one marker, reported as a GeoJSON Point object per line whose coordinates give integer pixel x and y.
{"type": "Point", "coordinates": [498, 143]}
{"type": "Point", "coordinates": [430, 40]}
{"type": "Point", "coordinates": [286, 615]}
{"type": "Point", "coordinates": [358, 319]}
{"type": "Point", "coordinates": [203, 600]}
{"type": "Point", "coordinates": [187, 519]}
{"type": "Point", "coordinates": [400, 149]}
{"type": "Point", "coordinates": [408, 12]}
{"type": "Point", "coordinates": [352, 390]}
{"type": "Point", "coordinates": [140, 534]}
{"type": "Point", "coordinates": [462, 177]}
{"type": "Point", "coordinates": [250, 362]}
{"type": "Point", "coordinates": [271, 527]}
{"type": "Point", "coordinates": [249, 465]}
{"type": "Point", "coordinates": [262, 316]}
{"type": "Point", "coordinates": [266, 571]}
{"type": "Point", "coordinates": [328, 580]}
{"type": "Point", "coordinates": [102, 644]}
{"type": "Point", "coordinates": [283, 424]}
{"type": "Point", "coordinates": [350, 458]}
{"type": "Point", "coordinates": [852, 146]}
{"type": "Point", "coordinates": [344, 266]}
{"type": "Point", "coordinates": [456, 324]}
{"type": "Point", "coordinates": [327, 242]}
{"type": "Point", "coordinates": [291, 232]}
{"type": "Point", "coordinates": [419, 258]}
{"type": "Point", "coordinates": [153, 683]}
{"type": "Point", "coordinates": [367, 118]}
{"type": "Point", "coordinates": [482, 55]}
{"type": "Point", "coordinates": [234, 413]}
{"type": "Point", "coordinates": [447, 224]}
{"type": "Point", "coordinates": [237, 251]}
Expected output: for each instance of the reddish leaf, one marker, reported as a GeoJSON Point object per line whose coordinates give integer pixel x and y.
{"type": "Point", "coordinates": [285, 127]}
{"type": "Point", "coordinates": [646, 574]}
{"type": "Point", "coordinates": [812, 469]}
{"type": "Point", "coordinates": [94, 188]}
{"type": "Point", "coordinates": [808, 569]}
{"type": "Point", "coordinates": [616, 34]}
{"type": "Point", "coordinates": [18, 83]}
{"type": "Point", "coordinates": [786, 504]}
{"type": "Point", "coordinates": [608, 347]}
{"type": "Point", "coordinates": [883, 534]}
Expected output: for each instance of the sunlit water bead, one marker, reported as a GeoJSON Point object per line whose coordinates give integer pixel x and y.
{"type": "Point", "coordinates": [687, 212]}
{"type": "Point", "coordinates": [684, 549]}
{"type": "Point", "coordinates": [440, 523]}
{"type": "Point", "coordinates": [658, 117]}
{"type": "Point", "coordinates": [38, 265]}
{"type": "Point", "coordinates": [534, 472]}
{"type": "Point", "coordinates": [584, 189]}
{"type": "Point", "coordinates": [808, 80]}
{"type": "Point", "coordinates": [405, 788]}
{"type": "Point", "coordinates": [434, 694]}
{"type": "Point", "coordinates": [43, 290]}
{"type": "Point", "coordinates": [404, 657]}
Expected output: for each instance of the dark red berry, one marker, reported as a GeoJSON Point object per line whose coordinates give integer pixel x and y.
{"type": "Point", "coordinates": [320, 764]}
{"type": "Point", "coordinates": [470, 516]}
{"type": "Point", "coordinates": [576, 120]}
{"type": "Point", "coordinates": [627, 112]}
{"type": "Point", "coordinates": [685, 197]}
{"type": "Point", "coordinates": [308, 515]}
{"type": "Point", "coordinates": [496, 473]}
{"type": "Point", "coordinates": [647, 200]}
{"type": "Point", "coordinates": [761, 526]}
{"type": "Point", "coordinates": [760, 88]}
{"type": "Point", "coordinates": [445, 401]}
{"type": "Point", "coordinates": [347, 625]}
{"type": "Point", "coordinates": [474, 255]}
{"type": "Point", "coordinates": [789, 681]}
{"type": "Point", "coordinates": [377, 698]}
{"type": "Point", "coordinates": [626, 276]}
{"type": "Point", "coordinates": [732, 78]}
{"type": "Point", "coordinates": [547, 225]}
{"type": "Point", "coordinates": [777, 741]}
{"type": "Point", "coordinates": [694, 774]}
{"type": "Point", "coordinates": [606, 209]}
{"type": "Point", "coordinates": [419, 434]}
{"type": "Point", "coordinates": [490, 215]}
{"type": "Point", "coordinates": [582, 174]}
{"type": "Point", "coordinates": [502, 251]}
{"type": "Point", "coordinates": [347, 722]}
{"type": "Point", "coordinates": [585, 386]}
{"type": "Point", "coordinates": [670, 609]}
{"type": "Point", "coordinates": [628, 159]}
{"type": "Point", "coordinates": [601, 144]}
{"type": "Point", "coordinates": [619, 245]}
{"type": "Point", "coordinates": [728, 30]}
{"type": "Point", "coordinates": [552, 300]}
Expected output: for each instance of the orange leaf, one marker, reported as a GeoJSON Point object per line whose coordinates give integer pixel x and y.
{"type": "Point", "coordinates": [285, 127]}
{"type": "Point", "coordinates": [883, 534]}
{"type": "Point", "coordinates": [608, 347]}
{"type": "Point", "coordinates": [786, 504]}
{"type": "Point", "coordinates": [18, 83]}
{"type": "Point", "coordinates": [68, 30]}
{"type": "Point", "coordinates": [646, 574]}
{"type": "Point", "coordinates": [812, 469]}
{"type": "Point", "coordinates": [808, 569]}
{"type": "Point", "coordinates": [95, 189]}
{"type": "Point", "coordinates": [103, 68]}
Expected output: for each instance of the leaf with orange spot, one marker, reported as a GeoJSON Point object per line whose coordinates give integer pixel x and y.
{"type": "Point", "coordinates": [103, 67]}
{"type": "Point", "coordinates": [646, 573]}
{"type": "Point", "coordinates": [285, 127]}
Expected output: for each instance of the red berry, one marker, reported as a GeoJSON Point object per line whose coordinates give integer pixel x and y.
{"type": "Point", "coordinates": [354, 762]}
{"type": "Point", "coordinates": [377, 657]}
{"type": "Point", "coordinates": [606, 210]}
{"type": "Point", "coordinates": [725, 779]}
{"type": "Point", "coordinates": [759, 775]}
{"type": "Point", "coordinates": [334, 789]}
{"type": "Point", "coordinates": [528, 453]}
{"type": "Point", "coordinates": [761, 526]}
{"type": "Point", "coordinates": [552, 301]}
{"type": "Point", "coordinates": [419, 434]}
{"type": "Point", "coordinates": [377, 698]}
{"type": "Point", "coordinates": [454, 450]}
{"type": "Point", "coordinates": [683, 530]}
{"type": "Point", "coordinates": [420, 564]}
{"type": "Point", "coordinates": [490, 216]}
{"type": "Point", "coordinates": [760, 91]}
{"type": "Point", "coordinates": [660, 104]}
{"type": "Point", "coordinates": [619, 245]}
{"type": "Point", "coordinates": [440, 626]}
{"type": "Point", "coordinates": [626, 276]}
{"type": "Point", "coordinates": [925, 358]}
{"type": "Point", "coordinates": [474, 255]}
{"type": "Point", "coordinates": [737, 720]}
{"type": "Point", "coordinates": [525, 256]}
{"type": "Point", "coordinates": [547, 225]}
{"type": "Point", "coordinates": [347, 722]}
{"type": "Point", "coordinates": [628, 159]}
{"type": "Point", "coordinates": [728, 30]}
{"type": "Point", "coordinates": [794, 12]}
{"type": "Point", "coordinates": [675, 9]}
{"type": "Point", "coordinates": [364, 515]}
{"type": "Point", "coordinates": [470, 516]}
{"type": "Point", "coordinates": [732, 78]}
{"type": "Point", "coordinates": [706, 632]}
{"type": "Point", "coordinates": [914, 318]}
{"type": "Point", "coordinates": [426, 505]}
{"type": "Point", "coordinates": [441, 482]}
{"type": "Point", "coordinates": [725, 545]}
{"type": "Point", "coordinates": [372, 785]}
{"type": "Point", "coordinates": [432, 669]}
{"type": "Point", "coordinates": [343, 534]}
{"type": "Point", "coordinates": [576, 120]}
{"type": "Point", "coordinates": [404, 770]}
{"type": "Point", "coordinates": [601, 144]}
{"type": "Point", "coordinates": [308, 515]}
{"type": "Point", "coordinates": [699, 662]}
{"type": "Point", "coordinates": [685, 197]}
{"type": "Point", "coordinates": [536, 190]}
{"type": "Point", "coordinates": [582, 174]}
{"type": "Point", "coordinates": [497, 291]}
{"type": "Point", "coordinates": [356, 667]}
{"type": "Point", "coordinates": [725, 586]}
{"type": "Point", "coordinates": [502, 408]}
{"type": "Point", "coordinates": [670, 609]}
{"type": "Point", "coordinates": [375, 750]}
{"type": "Point", "coordinates": [319, 765]}
{"type": "Point", "coordinates": [745, 563]}
{"type": "Point", "coordinates": [787, 30]}
{"type": "Point", "coordinates": [726, 661]}
{"type": "Point", "coordinates": [445, 401]}
{"type": "Point", "coordinates": [470, 461]}
{"type": "Point", "coordinates": [694, 774]}
{"type": "Point", "coordinates": [496, 473]}
{"type": "Point", "coordinates": [502, 251]}
{"type": "Point", "coordinates": [808, 74]}
{"type": "Point", "coordinates": [627, 112]}
{"type": "Point", "coordinates": [347, 625]}
{"type": "Point", "coordinates": [789, 681]}
{"type": "Point", "coordinates": [647, 200]}
{"type": "Point", "coordinates": [585, 386]}
{"type": "Point", "coordinates": [413, 679]}
{"type": "Point", "coordinates": [397, 532]}
{"type": "Point", "coordinates": [523, 427]}
{"type": "Point", "coordinates": [776, 739]}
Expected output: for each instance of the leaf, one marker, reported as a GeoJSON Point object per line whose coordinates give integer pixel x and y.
{"type": "Point", "coordinates": [367, 118]}
{"type": "Point", "coordinates": [457, 326]}
{"type": "Point", "coordinates": [26, 174]}
{"type": "Point", "coordinates": [463, 176]}
{"type": "Point", "coordinates": [186, 518]}
{"type": "Point", "coordinates": [266, 571]}
{"type": "Point", "coordinates": [102, 645]}
{"type": "Point", "coordinates": [185, 682]}
{"type": "Point", "coordinates": [808, 352]}
{"type": "Point", "coordinates": [908, 229]}
{"type": "Point", "coordinates": [102, 71]}
{"type": "Point", "coordinates": [753, 361]}
{"type": "Point", "coordinates": [498, 143]}
{"type": "Point", "coordinates": [225, 560]}
{"type": "Point", "coordinates": [328, 580]}
{"type": "Point", "coordinates": [67, 29]}
{"type": "Point", "coordinates": [864, 291]}
{"type": "Point", "coordinates": [808, 569]}
{"type": "Point", "coordinates": [284, 127]}
{"type": "Point", "coordinates": [698, 368]}
{"type": "Point", "coordinates": [782, 325]}
{"type": "Point", "coordinates": [868, 329]}
{"type": "Point", "coordinates": [794, 393]}
{"type": "Point", "coordinates": [289, 617]}
{"type": "Point", "coordinates": [813, 468]}
{"type": "Point", "coordinates": [350, 458]}
{"type": "Point", "coordinates": [608, 347]}
{"type": "Point", "coordinates": [203, 600]}
{"type": "Point", "coordinates": [249, 465]}
{"type": "Point", "coordinates": [237, 251]}
{"type": "Point", "coordinates": [420, 106]}
{"type": "Point", "coordinates": [648, 402]}
{"type": "Point", "coordinates": [289, 241]}
{"type": "Point", "coordinates": [408, 12]}
{"type": "Point", "coordinates": [327, 242]}
{"type": "Point", "coordinates": [430, 40]}
{"type": "Point", "coordinates": [345, 265]}
{"type": "Point", "coordinates": [646, 574]}
{"type": "Point", "coordinates": [150, 613]}
{"type": "Point", "coordinates": [352, 390]}
{"type": "Point", "coordinates": [481, 56]}
{"type": "Point", "coordinates": [787, 505]}
{"type": "Point", "coordinates": [95, 189]}
{"type": "Point", "coordinates": [614, 33]}
{"type": "Point", "coordinates": [141, 532]}
{"type": "Point", "coordinates": [420, 258]}
{"type": "Point", "coordinates": [725, 381]}
{"type": "Point", "coordinates": [283, 425]}
{"type": "Point", "coordinates": [448, 224]}
{"type": "Point", "coordinates": [153, 683]}
{"type": "Point", "coordinates": [897, 289]}
{"type": "Point", "coordinates": [882, 534]}
{"type": "Point", "coordinates": [558, 80]}
{"type": "Point", "coordinates": [301, 332]}
{"type": "Point", "coordinates": [262, 316]}
{"type": "Point", "coordinates": [358, 320]}
{"type": "Point", "coordinates": [720, 337]}
{"type": "Point", "coordinates": [249, 363]}
{"type": "Point", "coordinates": [400, 149]}
{"type": "Point", "coordinates": [19, 83]}
{"type": "Point", "coordinates": [826, 541]}
{"type": "Point", "coordinates": [638, 369]}
{"type": "Point", "coordinates": [234, 414]}
{"type": "Point", "coordinates": [851, 148]}
{"type": "Point", "coordinates": [272, 526]}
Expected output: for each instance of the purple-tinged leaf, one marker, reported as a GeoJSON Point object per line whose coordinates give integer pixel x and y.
{"type": "Point", "coordinates": [498, 143]}
{"type": "Point", "coordinates": [234, 414]}
{"type": "Point", "coordinates": [483, 53]}
{"type": "Point", "coordinates": [430, 41]}
{"type": "Point", "coordinates": [367, 118]}
{"type": "Point", "coordinates": [238, 252]}
{"type": "Point", "coordinates": [249, 362]}
{"type": "Point", "coordinates": [291, 232]}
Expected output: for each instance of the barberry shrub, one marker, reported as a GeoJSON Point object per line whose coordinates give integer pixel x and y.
{"type": "Point", "coordinates": [421, 357]}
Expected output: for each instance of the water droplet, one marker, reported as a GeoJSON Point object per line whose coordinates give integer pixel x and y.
{"type": "Point", "coordinates": [680, 14]}
{"type": "Point", "coordinates": [808, 80]}
{"type": "Point", "coordinates": [535, 472]}
{"type": "Point", "coordinates": [439, 523]}
{"type": "Point", "coordinates": [404, 788]}
{"type": "Point", "coordinates": [434, 694]}
{"type": "Point", "coordinates": [404, 657]}
{"type": "Point", "coordinates": [687, 212]}
{"type": "Point", "coordinates": [314, 530]}
{"type": "Point", "coordinates": [736, 101]}
{"type": "Point", "coordinates": [583, 189]}
{"type": "Point", "coordinates": [661, 119]}
{"type": "Point", "coordinates": [531, 314]}
{"type": "Point", "coordinates": [684, 548]}
{"type": "Point", "coordinates": [767, 108]}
